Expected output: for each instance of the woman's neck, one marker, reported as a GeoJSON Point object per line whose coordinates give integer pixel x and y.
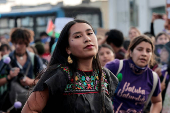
{"type": "Point", "coordinates": [135, 68]}
{"type": "Point", "coordinates": [85, 65]}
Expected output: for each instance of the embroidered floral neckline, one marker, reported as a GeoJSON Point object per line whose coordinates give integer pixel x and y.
{"type": "Point", "coordinates": [86, 71]}
{"type": "Point", "coordinates": [85, 82]}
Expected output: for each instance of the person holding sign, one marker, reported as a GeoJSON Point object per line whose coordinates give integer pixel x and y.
{"type": "Point", "coordinates": [137, 82]}
{"type": "Point", "coordinates": [156, 16]}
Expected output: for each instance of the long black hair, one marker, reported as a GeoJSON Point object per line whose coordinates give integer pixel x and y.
{"type": "Point", "coordinates": [60, 55]}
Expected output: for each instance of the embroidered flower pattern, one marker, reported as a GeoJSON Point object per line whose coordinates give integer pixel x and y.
{"type": "Point", "coordinates": [83, 78]}
{"type": "Point", "coordinates": [85, 81]}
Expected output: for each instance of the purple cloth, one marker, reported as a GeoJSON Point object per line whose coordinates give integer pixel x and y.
{"type": "Point", "coordinates": [134, 89]}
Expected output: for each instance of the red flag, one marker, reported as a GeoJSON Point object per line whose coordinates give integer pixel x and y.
{"type": "Point", "coordinates": [50, 26]}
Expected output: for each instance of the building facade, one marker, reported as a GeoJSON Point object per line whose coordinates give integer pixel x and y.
{"type": "Point", "coordinates": [121, 14]}
{"type": "Point", "coordinates": [138, 13]}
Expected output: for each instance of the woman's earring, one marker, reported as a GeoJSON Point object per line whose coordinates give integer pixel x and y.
{"type": "Point", "coordinates": [69, 60]}
{"type": "Point", "coordinates": [95, 57]}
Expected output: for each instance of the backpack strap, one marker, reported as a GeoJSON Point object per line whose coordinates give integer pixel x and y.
{"type": "Point", "coordinates": [26, 73]}
{"type": "Point", "coordinates": [155, 81]}
{"type": "Point", "coordinates": [120, 67]}
{"type": "Point", "coordinates": [32, 58]}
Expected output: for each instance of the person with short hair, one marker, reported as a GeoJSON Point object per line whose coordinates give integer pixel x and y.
{"type": "Point", "coordinates": [47, 40]}
{"type": "Point", "coordinates": [115, 39]}
{"type": "Point", "coordinates": [23, 66]}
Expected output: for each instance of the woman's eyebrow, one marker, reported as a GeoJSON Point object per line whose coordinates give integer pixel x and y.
{"type": "Point", "coordinates": [148, 48]}
{"type": "Point", "coordinates": [88, 29]}
{"type": "Point", "coordinates": [139, 47]}
{"type": "Point", "coordinates": [77, 33]}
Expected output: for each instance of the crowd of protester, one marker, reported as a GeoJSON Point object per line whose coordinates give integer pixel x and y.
{"type": "Point", "coordinates": [30, 57]}
{"type": "Point", "coordinates": [161, 43]}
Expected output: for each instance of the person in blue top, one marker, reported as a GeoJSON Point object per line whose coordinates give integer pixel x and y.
{"type": "Point", "coordinates": [136, 80]}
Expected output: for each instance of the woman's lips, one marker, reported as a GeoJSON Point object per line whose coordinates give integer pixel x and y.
{"type": "Point", "coordinates": [143, 60]}
{"type": "Point", "coordinates": [89, 46]}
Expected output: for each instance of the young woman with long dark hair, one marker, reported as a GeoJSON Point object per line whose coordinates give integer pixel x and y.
{"type": "Point", "coordinates": [74, 81]}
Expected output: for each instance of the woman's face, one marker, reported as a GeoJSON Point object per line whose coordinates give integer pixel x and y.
{"type": "Point", "coordinates": [164, 55]}
{"type": "Point", "coordinates": [142, 53]}
{"type": "Point", "coordinates": [105, 55]}
{"type": "Point", "coordinates": [162, 40]}
{"type": "Point", "coordinates": [82, 41]}
{"type": "Point", "coordinates": [133, 33]}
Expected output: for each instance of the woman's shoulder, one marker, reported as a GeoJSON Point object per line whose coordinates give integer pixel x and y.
{"type": "Point", "coordinates": [57, 70]}
{"type": "Point", "coordinates": [111, 78]}
{"type": "Point", "coordinates": [54, 74]}
{"type": "Point", "coordinates": [108, 73]}
{"type": "Point", "coordinates": [115, 61]}
{"type": "Point", "coordinates": [114, 65]}
{"type": "Point", "coordinates": [54, 69]}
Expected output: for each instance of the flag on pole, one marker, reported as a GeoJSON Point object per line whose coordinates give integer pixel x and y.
{"type": "Point", "coordinates": [50, 26]}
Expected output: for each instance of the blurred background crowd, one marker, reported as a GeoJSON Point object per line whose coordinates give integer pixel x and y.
{"type": "Point", "coordinates": [114, 26]}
